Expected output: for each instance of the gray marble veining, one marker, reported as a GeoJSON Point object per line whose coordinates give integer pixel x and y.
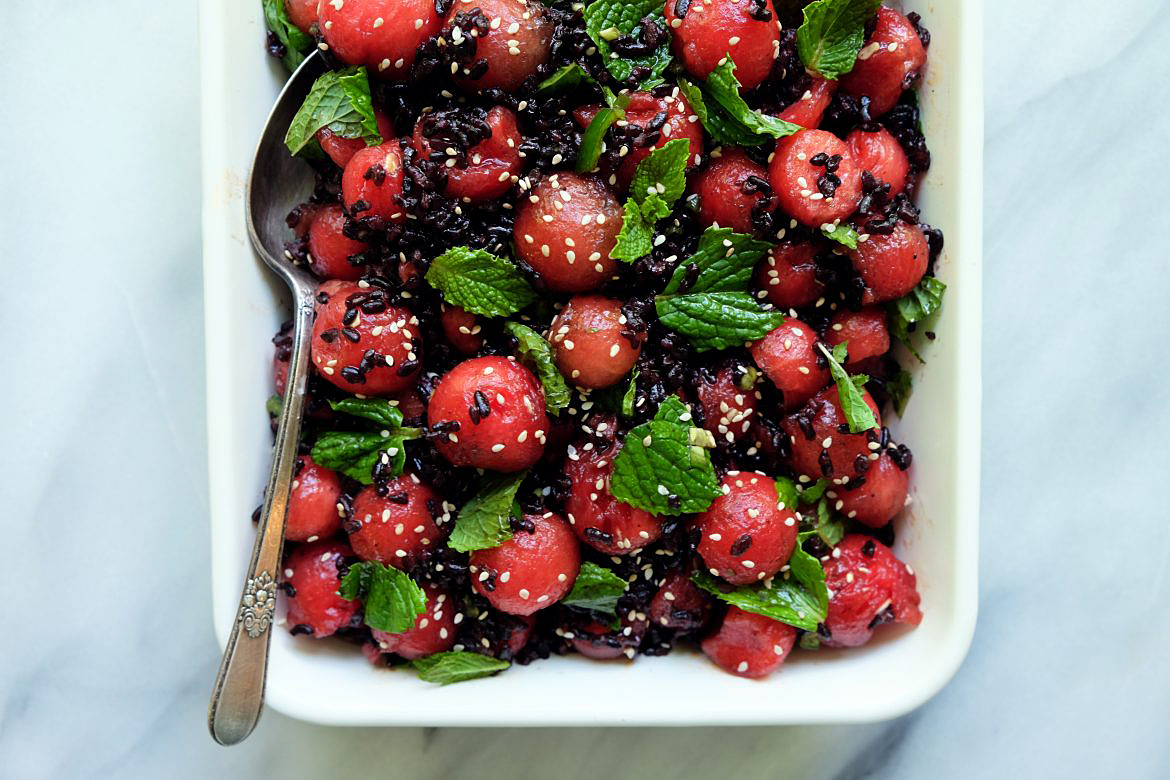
{"type": "Point", "coordinates": [107, 654]}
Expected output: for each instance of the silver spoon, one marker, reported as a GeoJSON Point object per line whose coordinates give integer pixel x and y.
{"type": "Point", "coordinates": [277, 183]}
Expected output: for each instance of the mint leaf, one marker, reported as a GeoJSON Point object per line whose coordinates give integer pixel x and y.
{"type": "Point", "coordinates": [725, 259]}
{"type": "Point", "coordinates": [480, 282]}
{"type": "Point", "coordinates": [564, 78]}
{"type": "Point", "coordinates": [797, 597]}
{"type": "Point", "coordinates": [535, 352]}
{"type": "Point", "coordinates": [717, 320]}
{"type": "Point", "coordinates": [659, 181]}
{"type": "Point", "coordinates": [913, 307]}
{"type": "Point", "coordinates": [606, 20]}
{"type": "Point", "coordinates": [787, 496]}
{"type": "Point", "coordinates": [842, 234]}
{"type": "Point", "coordinates": [717, 122]}
{"type": "Point", "coordinates": [636, 238]}
{"type": "Point", "coordinates": [664, 467]}
{"type": "Point", "coordinates": [483, 521]}
{"type": "Point", "coordinates": [853, 406]}
{"type": "Point", "coordinates": [630, 396]}
{"type": "Point", "coordinates": [340, 101]}
{"type": "Point", "coordinates": [832, 34]}
{"type": "Point", "coordinates": [899, 387]}
{"type": "Point", "coordinates": [273, 405]}
{"type": "Point", "coordinates": [596, 588]}
{"type": "Point", "coordinates": [378, 410]}
{"type": "Point", "coordinates": [296, 43]}
{"type": "Point", "coordinates": [723, 87]}
{"type": "Point", "coordinates": [391, 600]}
{"type": "Point", "coordinates": [830, 529]}
{"type": "Point", "coordinates": [354, 454]}
{"type": "Point", "coordinates": [813, 492]}
{"type": "Point", "coordinates": [453, 667]}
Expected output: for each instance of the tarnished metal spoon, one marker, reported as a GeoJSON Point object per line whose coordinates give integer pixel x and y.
{"type": "Point", "coordinates": [276, 184]}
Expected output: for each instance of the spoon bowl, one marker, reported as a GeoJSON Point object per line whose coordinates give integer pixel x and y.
{"type": "Point", "coordinates": [276, 184]}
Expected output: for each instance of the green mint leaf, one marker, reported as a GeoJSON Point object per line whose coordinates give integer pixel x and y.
{"type": "Point", "coordinates": [536, 353]}
{"type": "Point", "coordinates": [453, 667]}
{"type": "Point", "coordinates": [717, 122]}
{"type": "Point", "coordinates": [483, 521]}
{"type": "Point", "coordinates": [391, 600]}
{"type": "Point", "coordinates": [480, 282]}
{"type": "Point", "coordinates": [717, 320]}
{"type": "Point", "coordinates": [787, 496]}
{"type": "Point", "coordinates": [378, 410]}
{"type": "Point", "coordinates": [853, 406]}
{"type": "Point", "coordinates": [810, 641]}
{"type": "Point", "coordinates": [564, 78]}
{"type": "Point", "coordinates": [606, 20]}
{"type": "Point", "coordinates": [725, 259]}
{"type": "Point", "coordinates": [900, 386]}
{"type": "Point", "coordinates": [636, 238]}
{"type": "Point", "coordinates": [664, 467]}
{"type": "Point", "coordinates": [832, 34]}
{"type": "Point", "coordinates": [813, 492]}
{"type": "Point", "coordinates": [786, 600]}
{"type": "Point", "coordinates": [596, 588]}
{"type": "Point", "coordinates": [273, 405]}
{"type": "Point", "coordinates": [843, 234]}
{"type": "Point", "coordinates": [630, 396]}
{"type": "Point", "coordinates": [594, 136]}
{"type": "Point", "coordinates": [723, 89]}
{"type": "Point", "coordinates": [660, 179]}
{"type": "Point", "coordinates": [829, 528]}
{"type": "Point", "coordinates": [339, 100]}
{"type": "Point", "coordinates": [915, 306]}
{"type": "Point", "coordinates": [296, 44]}
{"type": "Point", "coordinates": [354, 454]}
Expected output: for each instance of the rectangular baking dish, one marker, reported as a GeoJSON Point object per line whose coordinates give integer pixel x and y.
{"type": "Point", "coordinates": [321, 682]}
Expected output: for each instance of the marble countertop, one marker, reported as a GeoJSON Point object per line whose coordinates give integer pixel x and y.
{"type": "Point", "coordinates": [108, 655]}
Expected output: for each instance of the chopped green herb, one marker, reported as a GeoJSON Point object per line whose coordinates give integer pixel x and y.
{"type": "Point", "coordinates": [607, 20]}
{"type": "Point", "coordinates": [717, 320]}
{"type": "Point", "coordinates": [832, 34]}
{"type": "Point", "coordinates": [849, 390]}
{"type": "Point", "coordinates": [483, 522]}
{"type": "Point", "coordinates": [480, 282]}
{"type": "Point", "coordinates": [339, 100]}
{"type": "Point", "coordinates": [596, 588]}
{"type": "Point", "coordinates": [453, 667]}
{"type": "Point", "coordinates": [534, 351]}
{"type": "Point", "coordinates": [296, 43]}
{"type": "Point", "coordinates": [391, 600]}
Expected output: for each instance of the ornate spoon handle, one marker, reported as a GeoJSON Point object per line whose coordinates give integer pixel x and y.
{"type": "Point", "coordinates": [238, 696]}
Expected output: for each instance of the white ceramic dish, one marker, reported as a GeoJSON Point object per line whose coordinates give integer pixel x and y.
{"type": "Point", "coordinates": [318, 681]}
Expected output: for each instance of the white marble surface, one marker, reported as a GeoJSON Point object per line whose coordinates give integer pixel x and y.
{"type": "Point", "coordinates": [107, 654]}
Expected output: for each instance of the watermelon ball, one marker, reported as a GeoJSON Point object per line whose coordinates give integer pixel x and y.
{"type": "Point", "coordinates": [312, 574]}
{"type": "Point", "coordinates": [399, 527]}
{"type": "Point", "coordinates": [679, 603]}
{"type": "Point", "coordinates": [592, 343]}
{"type": "Point", "coordinates": [728, 399]}
{"type": "Point", "coordinates": [815, 178]}
{"type": "Point", "coordinates": [864, 333]}
{"type": "Point", "coordinates": [361, 343]}
{"type": "Point", "coordinates": [883, 494]}
{"type": "Point", "coordinates": [489, 167]}
{"type": "Point", "coordinates": [341, 150]}
{"type": "Point", "coordinates": [330, 249]}
{"type": "Point", "coordinates": [383, 35]}
{"type": "Point", "coordinates": [822, 445]}
{"type": "Point", "coordinates": [599, 519]}
{"type": "Point", "coordinates": [868, 586]}
{"type": "Point", "coordinates": [510, 39]}
{"type": "Point", "coordinates": [371, 185]}
{"type": "Point", "coordinates": [461, 328]}
{"type": "Point", "coordinates": [749, 645]}
{"type": "Point", "coordinates": [880, 153]}
{"type": "Point", "coordinates": [732, 189]}
{"type": "Point", "coordinates": [433, 630]}
{"type": "Point", "coordinates": [788, 275]}
{"type": "Point", "coordinates": [887, 64]}
{"type": "Point", "coordinates": [534, 569]}
{"type": "Point", "coordinates": [302, 13]}
{"type": "Point", "coordinates": [745, 535]}
{"type": "Point", "coordinates": [492, 411]}
{"type": "Point", "coordinates": [705, 32]}
{"type": "Point", "coordinates": [565, 231]}
{"type": "Point", "coordinates": [891, 264]}
{"type": "Point", "coordinates": [314, 503]}
{"type": "Point", "coordinates": [809, 108]}
{"type": "Point", "coordinates": [789, 357]}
